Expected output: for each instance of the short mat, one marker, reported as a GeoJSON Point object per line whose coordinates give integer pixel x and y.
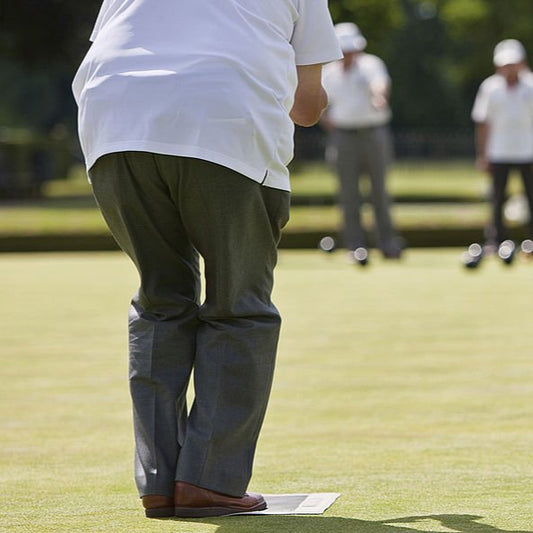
{"type": "Point", "coordinates": [286, 504]}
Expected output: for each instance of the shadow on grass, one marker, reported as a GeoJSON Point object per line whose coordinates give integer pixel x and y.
{"type": "Point", "coordinates": [323, 524]}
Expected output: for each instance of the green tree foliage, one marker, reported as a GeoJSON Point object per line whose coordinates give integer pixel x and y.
{"type": "Point", "coordinates": [46, 32]}
{"type": "Point", "coordinates": [377, 19]}
{"type": "Point", "coordinates": [438, 51]}
{"type": "Point", "coordinates": [41, 42]}
{"type": "Point", "coordinates": [475, 26]}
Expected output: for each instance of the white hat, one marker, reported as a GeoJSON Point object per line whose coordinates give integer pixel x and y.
{"type": "Point", "coordinates": [509, 52]}
{"type": "Point", "coordinates": [349, 36]}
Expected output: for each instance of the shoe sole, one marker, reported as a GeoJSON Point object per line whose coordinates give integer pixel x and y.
{"type": "Point", "coordinates": [201, 512]}
{"type": "Point", "coordinates": [159, 512]}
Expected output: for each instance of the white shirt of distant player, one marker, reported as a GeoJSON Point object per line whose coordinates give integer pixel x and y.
{"type": "Point", "coordinates": [350, 92]}
{"type": "Point", "coordinates": [213, 80]}
{"type": "Point", "coordinates": [508, 111]}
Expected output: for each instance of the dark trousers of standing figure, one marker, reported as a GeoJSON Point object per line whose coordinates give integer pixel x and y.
{"type": "Point", "coordinates": [365, 151]}
{"type": "Point", "coordinates": [497, 231]}
{"type": "Point", "coordinates": [163, 211]}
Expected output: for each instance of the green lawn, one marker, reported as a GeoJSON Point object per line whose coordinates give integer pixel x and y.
{"type": "Point", "coordinates": [416, 178]}
{"type": "Point", "coordinates": [406, 216]}
{"type": "Point", "coordinates": [433, 178]}
{"type": "Point", "coordinates": [425, 178]}
{"type": "Point", "coordinates": [58, 218]}
{"type": "Point", "coordinates": [406, 386]}
{"type": "Point", "coordinates": [68, 207]}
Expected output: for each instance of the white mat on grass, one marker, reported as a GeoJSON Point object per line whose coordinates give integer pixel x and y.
{"type": "Point", "coordinates": [315, 503]}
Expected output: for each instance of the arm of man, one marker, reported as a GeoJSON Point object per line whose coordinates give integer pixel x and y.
{"type": "Point", "coordinates": [310, 98]}
{"type": "Point", "coordinates": [380, 84]}
{"type": "Point", "coordinates": [380, 95]}
{"type": "Point", "coordinates": [481, 113]}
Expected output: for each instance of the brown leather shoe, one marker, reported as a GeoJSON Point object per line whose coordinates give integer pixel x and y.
{"type": "Point", "coordinates": [195, 502]}
{"type": "Point", "coordinates": [158, 506]}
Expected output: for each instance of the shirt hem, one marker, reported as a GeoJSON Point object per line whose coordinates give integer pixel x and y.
{"type": "Point", "coordinates": [273, 180]}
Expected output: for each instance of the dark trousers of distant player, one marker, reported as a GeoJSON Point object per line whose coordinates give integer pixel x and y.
{"type": "Point", "coordinates": [163, 211]}
{"type": "Point", "coordinates": [497, 232]}
{"type": "Point", "coordinates": [360, 151]}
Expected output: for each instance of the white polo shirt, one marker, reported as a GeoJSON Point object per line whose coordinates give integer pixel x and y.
{"type": "Point", "coordinates": [207, 79]}
{"type": "Point", "coordinates": [350, 92]}
{"type": "Point", "coordinates": [508, 111]}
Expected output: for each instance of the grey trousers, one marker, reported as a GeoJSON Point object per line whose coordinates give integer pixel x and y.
{"type": "Point", "coordinates": [359, 151]}
{"type": "Point", "coordinates": [497, 232]}
{"type": "Point", "coordinates": [163, 211]}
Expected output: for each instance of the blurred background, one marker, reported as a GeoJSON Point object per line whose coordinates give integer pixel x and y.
{"type": "Point", "coordinates": [437, 53]}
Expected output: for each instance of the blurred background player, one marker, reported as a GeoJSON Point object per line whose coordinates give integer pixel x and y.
{"type": "Point", "coordinates": [358, 89]}
{"type": "Point", "coordinates": [503, 113]}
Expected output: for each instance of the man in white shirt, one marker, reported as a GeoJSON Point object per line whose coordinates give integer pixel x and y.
{"type": "Point", "coordinates": [185, 115]}
{"type": "Point", "coordinates": [358, 116]}
{"type": "Point", "coordinates": [503, 113]}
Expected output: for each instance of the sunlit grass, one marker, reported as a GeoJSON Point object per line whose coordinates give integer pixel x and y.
{"type": "Point", "coordinates": [433, 179]}
{"type": "Point", "coordinates": [68, 207]}
{"type": "Point", "coordinates": [406, 386]}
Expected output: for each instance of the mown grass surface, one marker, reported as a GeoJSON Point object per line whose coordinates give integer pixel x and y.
{"type": "Point", "coordinates": [406, 386]}
{"type": "Point", "coordinates": [409, 178]}
{"type": "Point", "coordinates": [413, 178]}
{"type": "Point", "coordinates": [68, 207]}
